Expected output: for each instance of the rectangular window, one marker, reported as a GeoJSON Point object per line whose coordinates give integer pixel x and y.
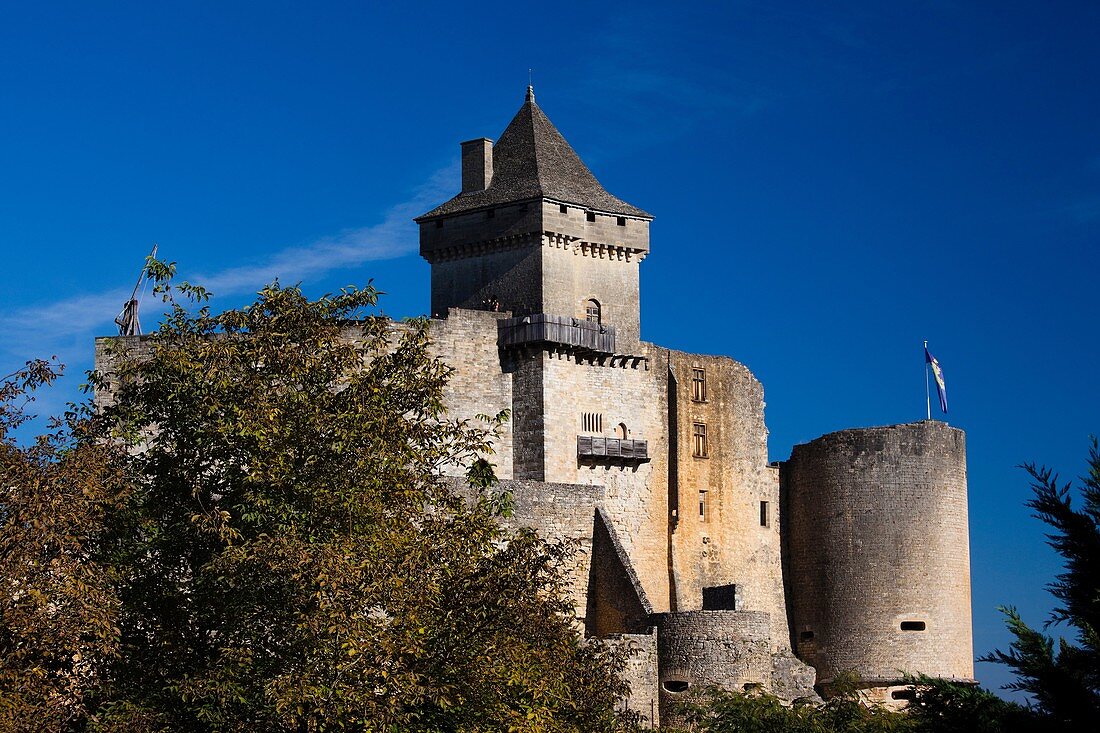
{"type": "Point", "coordinates": [621, 221]}
{"type": "Point", "coordinates": [765, 520]}
{"type": "Point", "coordinates": [591, 216]}
{"type": "Point", "coordinates": [702, 506]}
{"type": "Point", "coordinates": [699, 440]}
{"type": "Point", "coordinates": [563, 208]}
{"type": "Point", "coordinates": [698, 385]}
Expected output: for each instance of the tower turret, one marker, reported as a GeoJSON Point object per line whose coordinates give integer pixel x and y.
{"type": "Point", "coordinates": [534, 232]}
{"type": "Point", "coordinates": [879, 553]}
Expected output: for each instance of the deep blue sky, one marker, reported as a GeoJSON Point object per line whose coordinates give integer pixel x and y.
{"type": "Point", "coordinates": [830, 187]}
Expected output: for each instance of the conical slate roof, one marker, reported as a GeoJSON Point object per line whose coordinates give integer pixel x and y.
{"type": "Point", "coordinates": [532, 160]}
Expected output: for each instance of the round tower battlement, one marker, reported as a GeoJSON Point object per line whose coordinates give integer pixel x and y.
{"type": "Point", "coordinates": [697, 649]}
{"type": "Point", "coordinates": [879, 554]}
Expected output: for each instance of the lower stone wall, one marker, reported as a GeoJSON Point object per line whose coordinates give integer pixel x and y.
{"type": "Point", "coordinates": [557, 512]}
{"type": "Point", "coordinates": [728, 649]}
{"type": "Point", "coordinates": [641, 674]}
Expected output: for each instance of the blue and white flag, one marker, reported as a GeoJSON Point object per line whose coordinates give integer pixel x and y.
{"type": "Point", "coordinates": [937, 372]}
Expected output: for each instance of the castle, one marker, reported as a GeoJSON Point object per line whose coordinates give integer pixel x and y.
{"type": "Point", "coordinates": [712, 565]}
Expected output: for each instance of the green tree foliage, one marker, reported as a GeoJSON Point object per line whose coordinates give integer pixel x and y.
{"type": "Point", "coordinates": [735, 712]}
{"type": "Point", "coordinates": [1063, 677]}
{"type": "Point", "coordinates": [57, 603]}
{"type": "Point", "coordinates": [945, 706]}
{"type": "Point", "coordinates": [939, 706]}
{"type": "Point", "coordinates": [284, 554]}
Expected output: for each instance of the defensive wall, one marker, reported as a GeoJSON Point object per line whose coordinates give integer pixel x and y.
{"type": "Point", "coordinates": [729, 649]}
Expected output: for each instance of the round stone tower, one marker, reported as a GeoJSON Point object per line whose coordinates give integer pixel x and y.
{"type": "Point", "coordinates": [879, 554]}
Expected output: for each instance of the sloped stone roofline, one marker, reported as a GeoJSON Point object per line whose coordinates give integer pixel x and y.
{"type": "Point", "coordinates": [533, 161]}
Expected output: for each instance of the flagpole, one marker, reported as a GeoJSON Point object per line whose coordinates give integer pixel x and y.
{"type": "Point", "coordinates": [927, 393]}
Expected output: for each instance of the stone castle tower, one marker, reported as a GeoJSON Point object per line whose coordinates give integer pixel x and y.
{"type": "Point", "coordinates": [713, 566]}
{"type": "Point", "coordinates": [716, 566]}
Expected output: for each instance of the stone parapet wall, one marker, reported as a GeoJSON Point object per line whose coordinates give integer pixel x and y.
{"type": "Point", "coordinates": [728, 649]}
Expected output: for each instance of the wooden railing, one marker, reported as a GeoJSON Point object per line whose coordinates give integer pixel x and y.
{"type": "Point", "coordinates": [591, 446]}
{"type": "Point", "coordinates": [560, 330]}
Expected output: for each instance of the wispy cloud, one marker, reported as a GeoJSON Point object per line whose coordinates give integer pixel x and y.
{"type": "Point", "coordinates": [67, 326]}
{"type": "Point", "coordinates": [394, 236]}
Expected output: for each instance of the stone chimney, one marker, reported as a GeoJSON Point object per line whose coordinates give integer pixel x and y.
{"type": "Point", "coordinates": [477, 164]}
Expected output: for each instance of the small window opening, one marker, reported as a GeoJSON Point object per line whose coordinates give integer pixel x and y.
{"type": "Point", "coordinates": [698, 385]}
{"type": "Point", "coordinates": [699, 440]}
{"type": "Point", "coordinates": [490, 213]}
{"type": "Point", "coordinates": [753, 688]}
{"type": "Point", "coordinates": [621, 221]}
{"type": "Point", "coordinates": [675, 686]}
{"type": "Point", "coordinates": [913, 626]}
{"type": "Point", "coordinates": [806, 636]}
{"type": "Point", "coordinates": [438, 223]}
{"type": "Point", "coordinates": [591, 422]}
{"type": "Point", "coordinates": [720, 598]}
{"type": "Point", "coordinates": [703, 506]}
{"type": "Point", "coordinates": [765, 519]}
{"type": "Point", "coordinates": [591, 216]}
{"type": "Point", "coordinates": [907, 694]}
{"type": "Point", "coordinates": [563, 208]}
{"type": "Point", "coordinates": [592, 311]}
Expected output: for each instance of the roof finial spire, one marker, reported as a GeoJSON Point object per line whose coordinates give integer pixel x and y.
{"type": "Point", "coordinates": [530, 87]}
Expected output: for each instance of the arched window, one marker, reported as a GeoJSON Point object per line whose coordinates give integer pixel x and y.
{"type": "Point", "coordinates": [592, 311]}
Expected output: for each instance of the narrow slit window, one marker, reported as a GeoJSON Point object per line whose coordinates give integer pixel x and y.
{"type": "Point", "coordinates": [699, 440]}
{"type": "Point", "coordinates": [913, 626]}
{"type": "Point", "coordinates": [702, 506]}
{"type": "Point", "coordinates": [698, 385]}
{"type": "Point", "coordinates": [765, 518]}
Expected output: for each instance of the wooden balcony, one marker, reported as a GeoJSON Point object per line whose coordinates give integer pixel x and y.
{"type": "Point", "coordinates": [595, 447]}
{"type": "Point", "coordinates": [543, 328]}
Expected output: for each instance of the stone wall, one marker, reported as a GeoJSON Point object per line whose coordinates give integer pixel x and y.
{"type": "Point", "coordinates": [467, 341]}
{"type": "Point", "coordinates": [727, 543]}
{"type": "Point", "coordinates": [641, 675]}
{"type": "Point", "coordinates": [533, 258]}
{"type": "Point", "coordinates": [879, 561]}
{"type": "Point", "coordinates": [108, 350]}
{"type": "Point", "coordinates": [730, 649]}
{"type": "Point", "coordinates": [597, 260]}
{"type": "Point", "coordinates": [617, 602]}
{"type": "Point", "coordinates": [560, 512]}
{"type": "Point", "coordinates": [511, 275]}
{"type": "Point", "coordinates": [630, 394]}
